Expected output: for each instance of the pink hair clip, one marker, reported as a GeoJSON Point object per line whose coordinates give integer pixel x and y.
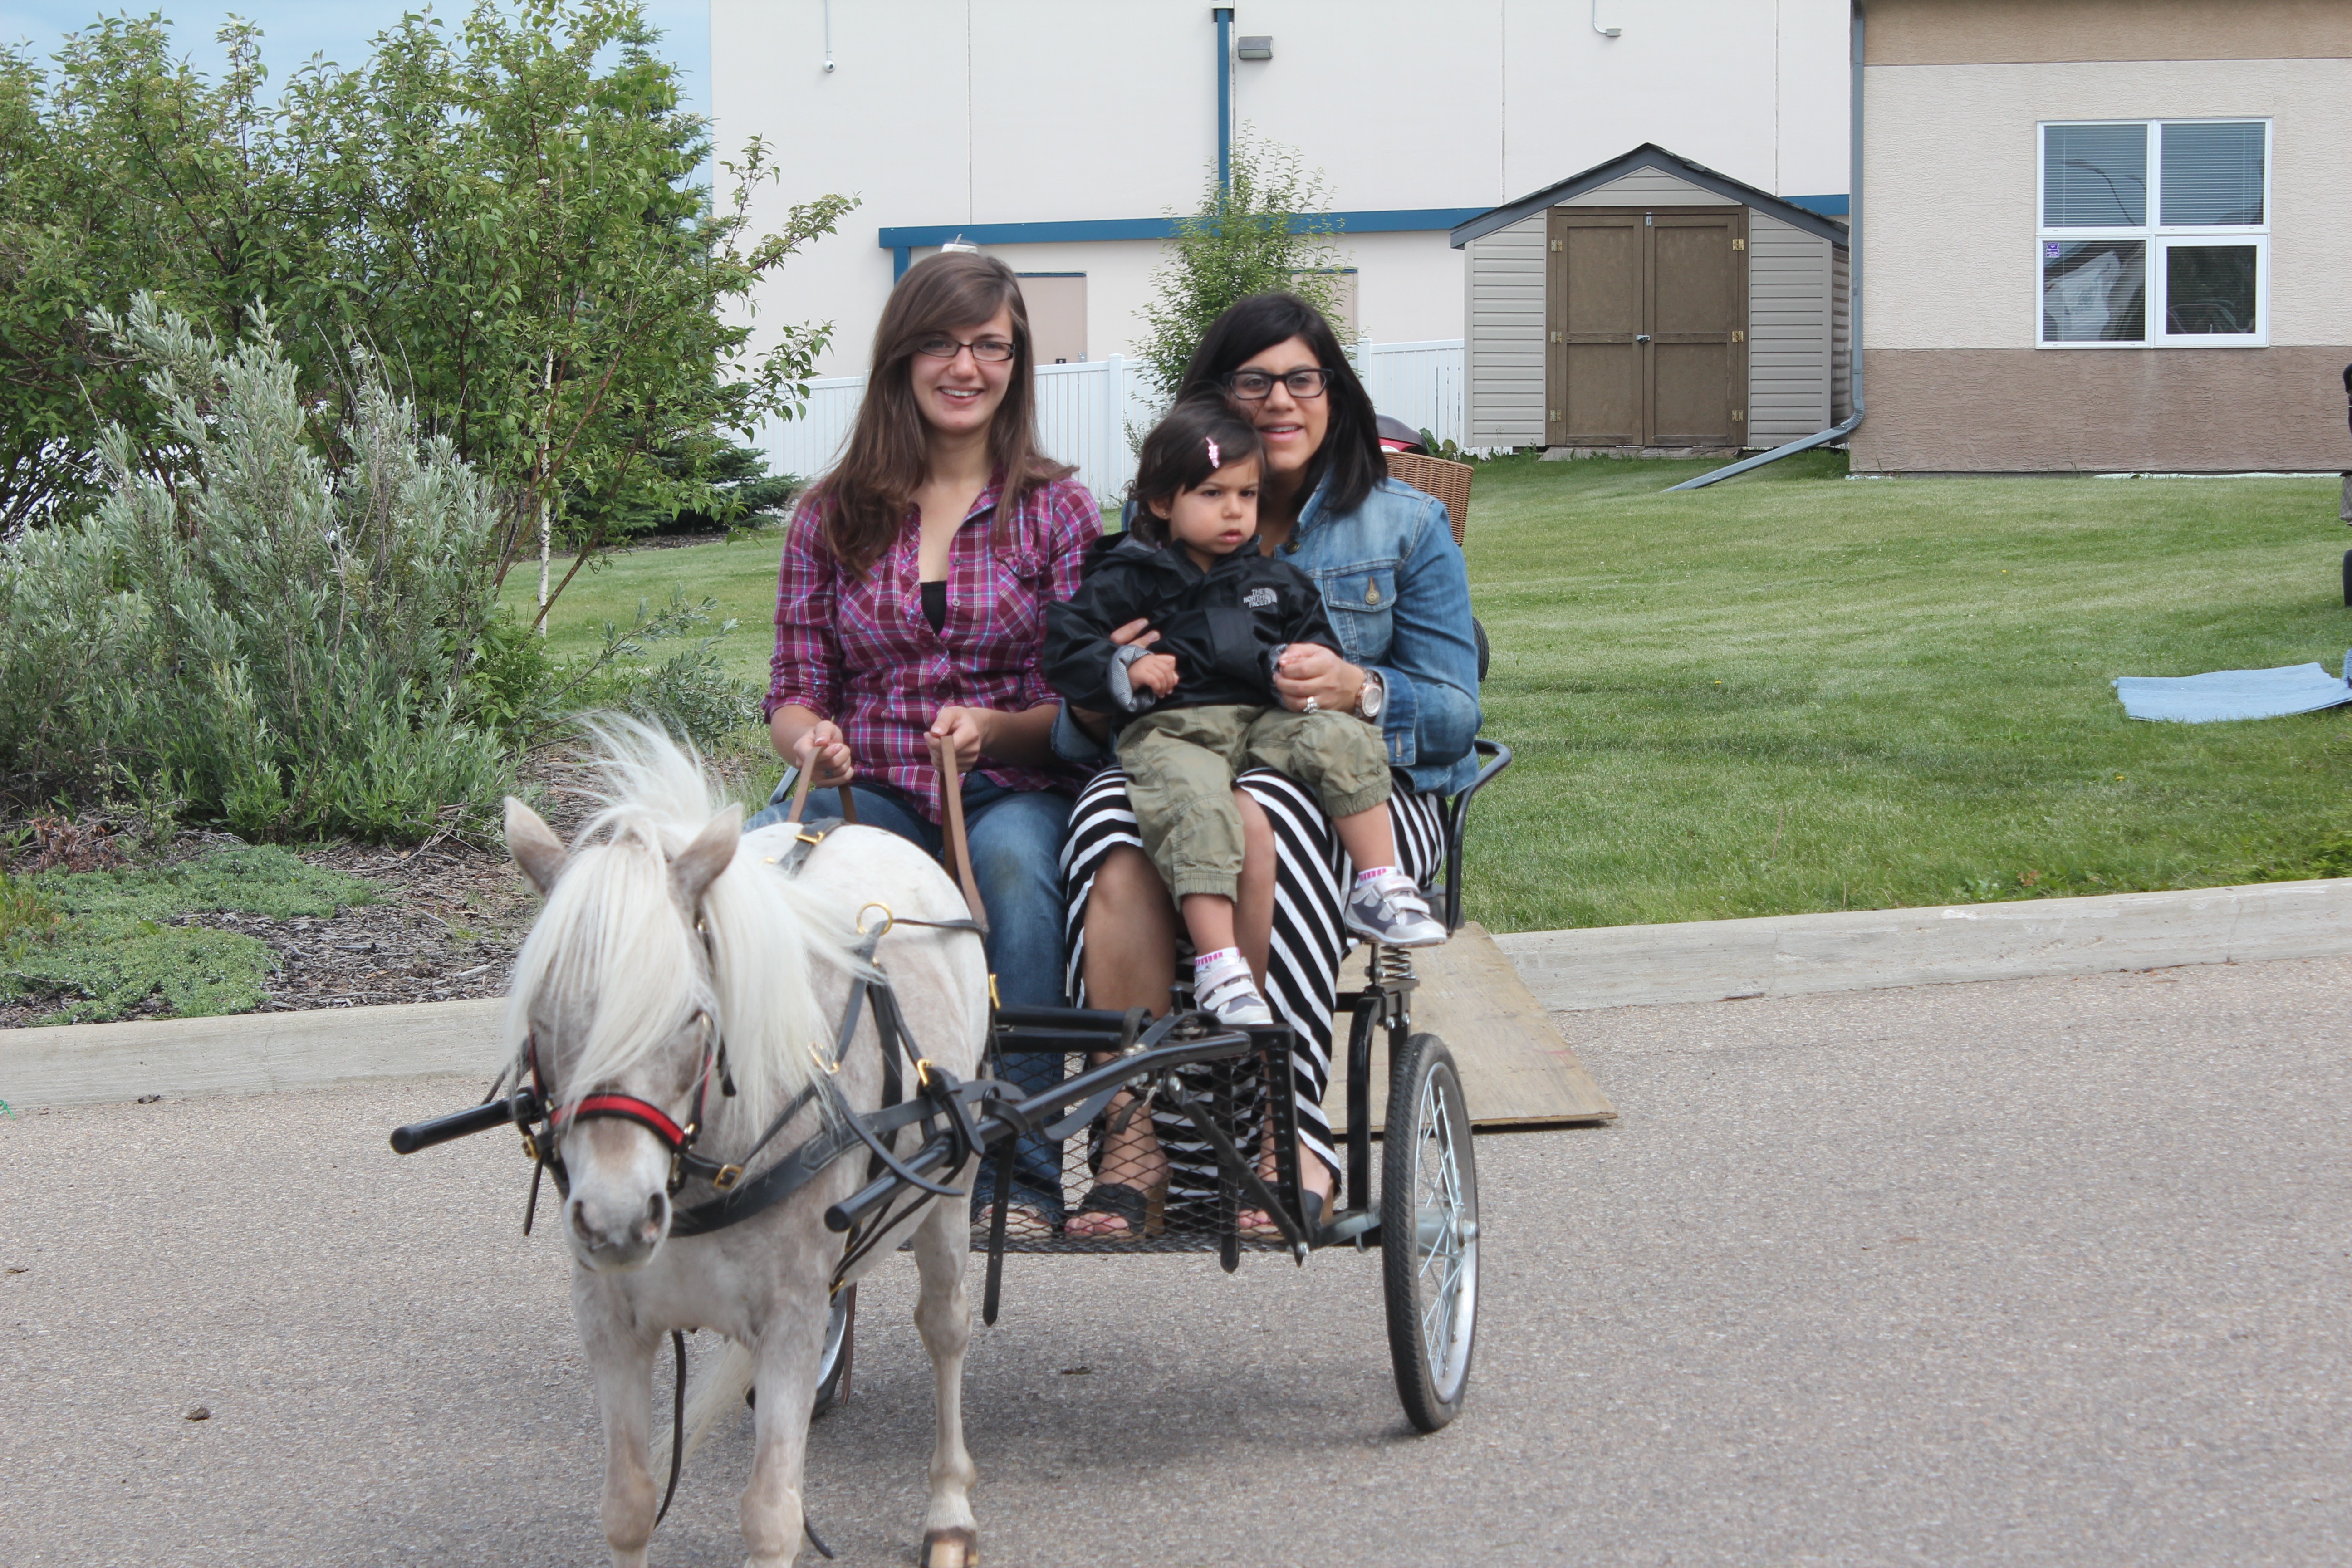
{"type": "Point", "coordinates": [1215, 460]}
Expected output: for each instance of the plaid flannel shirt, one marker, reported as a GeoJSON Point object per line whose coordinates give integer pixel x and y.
{"type": "Point", "coordinates": [860, 652]}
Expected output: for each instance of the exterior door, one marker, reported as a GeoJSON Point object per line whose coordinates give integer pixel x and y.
{"type": "Point", "coordinates": [1648, 314]}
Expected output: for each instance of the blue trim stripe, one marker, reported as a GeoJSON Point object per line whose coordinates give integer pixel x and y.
{"type": "Point", "coordinates": [1399, 220]}
{"type": "Point", "coordinates": [1828, 206]}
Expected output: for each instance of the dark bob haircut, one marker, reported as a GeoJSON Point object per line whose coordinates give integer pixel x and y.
{"type": "Point", "coordinates": [1175, 457]}
{"type": "Point", "coordinates": [1350, 459]}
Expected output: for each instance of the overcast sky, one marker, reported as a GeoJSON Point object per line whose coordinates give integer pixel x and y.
{"type": "Point", "coordinates": [294, 30]}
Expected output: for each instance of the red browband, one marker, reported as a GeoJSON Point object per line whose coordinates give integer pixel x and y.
{"type": "Point", "coordinates": [628, 1107]}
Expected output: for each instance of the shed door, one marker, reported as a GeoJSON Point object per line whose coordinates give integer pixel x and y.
{"type": "Point", "coordinates": [1648, 329]}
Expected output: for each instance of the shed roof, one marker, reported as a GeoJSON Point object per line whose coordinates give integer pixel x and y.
{"type": "Point", "coordinates": [1650, 155]}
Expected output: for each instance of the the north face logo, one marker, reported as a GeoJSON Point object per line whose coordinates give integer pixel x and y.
{"type": "Point", "coordinates": [1259, 598]}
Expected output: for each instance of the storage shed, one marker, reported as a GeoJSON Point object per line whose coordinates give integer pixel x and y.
{"type": "Point", "coordinates": [1650, 304]}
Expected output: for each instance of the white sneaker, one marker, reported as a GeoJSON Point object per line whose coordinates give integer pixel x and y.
{"type": "Point", "coordinates": [1389, 909]}
{"type": "Point", "coordinates": [1222, 986]}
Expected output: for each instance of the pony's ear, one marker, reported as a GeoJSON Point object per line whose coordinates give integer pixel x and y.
{"type": "Point", "coordinates": [534, 846]}
{"type": "Point", "coordinates": [698, 865]}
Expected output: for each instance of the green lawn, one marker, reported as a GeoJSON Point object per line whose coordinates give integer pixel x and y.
{"type": "Point", "coordinates": [1796, 691]}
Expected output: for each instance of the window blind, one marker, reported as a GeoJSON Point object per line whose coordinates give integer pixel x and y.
{"type": "Point", "coordinates": [2094, 176]}
{"type": "Point", "coordinates": [2212, 173]}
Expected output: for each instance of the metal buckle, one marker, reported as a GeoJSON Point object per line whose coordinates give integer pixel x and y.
{"type": "Point", "coordinates": [807, 838]}
{"type": "Point", "coordinates": [826, 1062]}
{"type": "Point", "coordinates": [993, 999]}
{"type": "Point", "coordinates": [530, 1147]}
{"type": "Point", "coordinates": [889, 920]}
{"type": "Point", "coordinates": [923, 1071]}
{"type": "Point", "coordinates": [726, 1177]}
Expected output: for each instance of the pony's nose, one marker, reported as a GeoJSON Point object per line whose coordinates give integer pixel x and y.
{"type": "Point", "coordinates": [621, 1238]}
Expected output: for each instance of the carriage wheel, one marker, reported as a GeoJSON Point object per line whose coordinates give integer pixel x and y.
{"type": "Point", "coordinates": [1429, 1232]}
{"type": "Point", "coordinates": [840, 1351]}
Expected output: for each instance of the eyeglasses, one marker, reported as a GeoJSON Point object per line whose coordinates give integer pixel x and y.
{"type": "Point", "coordinates": [1252, 385]}
{"type": "Point", "coordinates": [988, 351]}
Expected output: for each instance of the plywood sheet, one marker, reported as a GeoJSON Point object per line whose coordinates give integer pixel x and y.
{"type": "Point", "coordinates": [1516, 1068]}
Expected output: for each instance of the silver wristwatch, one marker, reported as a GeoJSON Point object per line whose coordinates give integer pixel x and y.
{"type": "Point", "coordinates": [1370, 700]}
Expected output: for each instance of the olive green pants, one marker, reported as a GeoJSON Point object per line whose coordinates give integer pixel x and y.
{"type": "Point", "coordinates": [1180, 780]}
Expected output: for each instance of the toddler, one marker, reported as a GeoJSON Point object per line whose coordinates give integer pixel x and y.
{"type": "Point", "coordinates": [1199, 704]}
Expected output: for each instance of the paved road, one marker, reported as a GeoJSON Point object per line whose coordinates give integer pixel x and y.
{"type": "Point", "coordinates": [2042, 1271]}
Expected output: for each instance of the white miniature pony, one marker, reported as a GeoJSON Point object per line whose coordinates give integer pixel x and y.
{"type": "Point", "coordinates": [668, 930]}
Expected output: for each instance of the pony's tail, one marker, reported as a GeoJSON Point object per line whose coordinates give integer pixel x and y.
{"type": "Point", "coordinates": [712, 1395]}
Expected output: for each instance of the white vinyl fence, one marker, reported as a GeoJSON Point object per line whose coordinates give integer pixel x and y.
{"type": "Point", "coordinates": [1085, 412]}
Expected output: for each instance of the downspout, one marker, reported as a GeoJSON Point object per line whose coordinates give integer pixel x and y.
{"type": "Point", "coordinates": [1853, 306]}
{"type": "Point", "coordinates": [1224, 16]}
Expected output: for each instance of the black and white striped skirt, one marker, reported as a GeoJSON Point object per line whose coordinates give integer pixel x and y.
{"type": "Point", "coordinates": [1309, 942]}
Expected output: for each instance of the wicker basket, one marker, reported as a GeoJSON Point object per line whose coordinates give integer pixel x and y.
{"type": "Point", "coordinates": [1449, 482]}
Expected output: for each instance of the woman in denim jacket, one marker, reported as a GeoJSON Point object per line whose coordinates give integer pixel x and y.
{"type": "Point", "coordinates": [1399, 595]}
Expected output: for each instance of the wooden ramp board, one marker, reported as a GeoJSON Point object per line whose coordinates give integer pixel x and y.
{"type": "Point", "coordinates": [1516, 1068]}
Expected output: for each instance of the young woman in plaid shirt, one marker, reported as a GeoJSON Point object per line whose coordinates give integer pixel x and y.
{"type": "Point", "coordinates": [911, 602]}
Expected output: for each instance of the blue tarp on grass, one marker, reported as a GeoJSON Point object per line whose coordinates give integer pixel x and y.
{"type": "Point", "coordinates": [2233, 693]}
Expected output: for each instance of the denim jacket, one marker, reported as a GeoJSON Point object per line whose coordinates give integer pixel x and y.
{"type": "Point", "coordinates": [1399, 595]}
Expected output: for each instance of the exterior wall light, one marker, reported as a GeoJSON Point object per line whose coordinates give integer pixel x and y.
{"type": "Point", "coordinates": [1605, 32]}
{"type": "Point", "coordinates": [1258, 46]}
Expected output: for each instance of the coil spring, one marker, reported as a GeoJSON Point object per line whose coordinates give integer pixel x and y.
{"type": "Point", "coordinates": [1389, 963]}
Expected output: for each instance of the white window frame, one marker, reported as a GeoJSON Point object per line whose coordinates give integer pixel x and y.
{"type": "Point", "coordinates": [2159, 239]}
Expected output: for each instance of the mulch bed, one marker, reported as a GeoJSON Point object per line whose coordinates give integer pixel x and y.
{"type": "Point", "coordinates": [449, 918]}
{"type": "Point", "coordinates": [444, 926]}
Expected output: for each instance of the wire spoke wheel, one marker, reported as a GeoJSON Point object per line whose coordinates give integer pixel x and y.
{"type": "Point", "coordinates": [1429, 1232]}
{"type": "Point", "coordinates": [840, 1352]}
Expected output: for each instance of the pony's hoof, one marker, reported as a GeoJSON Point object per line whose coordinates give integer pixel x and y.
{"type": "Point", "coordinates": [955, 1548]}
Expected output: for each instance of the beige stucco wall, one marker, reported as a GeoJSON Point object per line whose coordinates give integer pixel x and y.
{"type": "Point", "coordinates": [1948, 184]}
{"type": "Point", "coordinates": [1978, 32]}
{"type": "Point", "coordinates": [1952, 378]}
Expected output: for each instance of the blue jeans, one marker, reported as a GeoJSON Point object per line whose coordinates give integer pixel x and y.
{"type": "Point", "coordinates": [1016, 858]}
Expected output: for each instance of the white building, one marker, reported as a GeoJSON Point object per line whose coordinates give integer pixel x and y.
{"type": "Point", "coordinates": [1060, 134]}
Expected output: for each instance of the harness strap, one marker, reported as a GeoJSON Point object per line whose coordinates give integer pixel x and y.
{"type": "Point", "coordinates": [943, 758]}
{"type": "Point", "coordinates": [800, 800]}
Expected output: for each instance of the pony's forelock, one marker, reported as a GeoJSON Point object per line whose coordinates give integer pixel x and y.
{"type": "Point", "coordinates": [613, 938]}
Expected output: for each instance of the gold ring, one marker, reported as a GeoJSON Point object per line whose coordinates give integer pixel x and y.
{"type": "Point", "coordinates": [889, 920]}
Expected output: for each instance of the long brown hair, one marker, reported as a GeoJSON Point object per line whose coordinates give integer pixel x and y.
{"type": "Point", "coordinates": [868, 491]}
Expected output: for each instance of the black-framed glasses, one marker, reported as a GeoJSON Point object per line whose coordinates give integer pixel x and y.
{"type": "Point", "coordinates": [988, 351]}
{"type": "Point", "coordinates": [1252, 385]}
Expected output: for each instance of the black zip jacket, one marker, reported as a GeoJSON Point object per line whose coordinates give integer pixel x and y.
{"type": "Point", "coordinates": [1223, 625]}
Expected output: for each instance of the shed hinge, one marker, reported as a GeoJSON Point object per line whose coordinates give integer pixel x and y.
{"type": "Point", "coordinates": [1738, 245]}
{"type": "Point", "coordinates": [1737, 415]}
{"type": "Point", "coordinates": [1555, 415]}
{"type": "Point", "coordinates": [1555, 245]}
{"type": "Point", "coordinates": [1739, 337]}
{"type": "Point", "coordinates": [1555, 337]}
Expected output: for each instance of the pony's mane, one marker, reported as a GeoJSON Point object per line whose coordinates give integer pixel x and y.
{"type": "Point", "coordinates": [611, 932]}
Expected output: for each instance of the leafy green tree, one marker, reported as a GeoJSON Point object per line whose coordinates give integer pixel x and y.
{"type": "Point", "coordinates": [1269, 229]}
{"type": "Point", "coordinates": [510, 228]}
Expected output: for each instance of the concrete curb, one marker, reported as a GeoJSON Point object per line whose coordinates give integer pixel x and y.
{"type": "Point", "coordinates": [248, 1053]}
{"type": "Point", "coordinates": [1566, 971]}
{"type": "Point", "coordinates": [1793, 955]}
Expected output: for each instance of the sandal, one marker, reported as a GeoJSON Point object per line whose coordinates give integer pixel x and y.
{"type": "Point", "coordinates": [1021, 1223]}
{"type": "Point", "coordinates": [1256, 1225]}
{"type": "Point", "coordinates": [1145, 1213]}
